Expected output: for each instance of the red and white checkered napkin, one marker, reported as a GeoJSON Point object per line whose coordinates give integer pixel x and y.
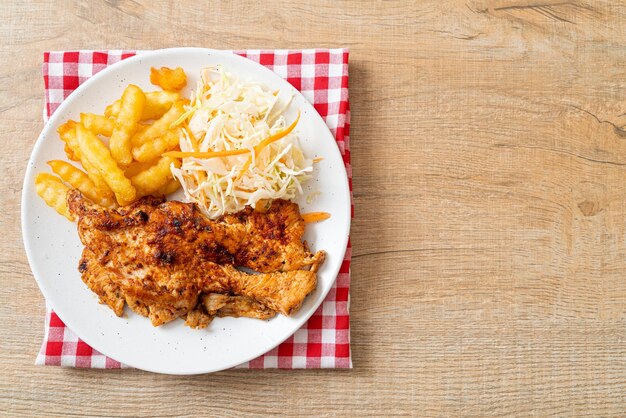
{"type": "Point", "coordinates": [322, 77]}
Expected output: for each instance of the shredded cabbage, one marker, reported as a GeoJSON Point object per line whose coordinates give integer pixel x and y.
{"type": "Point", "coordinates": [226, 113]}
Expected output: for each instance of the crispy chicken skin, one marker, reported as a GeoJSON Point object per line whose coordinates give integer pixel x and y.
{"type": "Point", "coordinates": [166, 260]}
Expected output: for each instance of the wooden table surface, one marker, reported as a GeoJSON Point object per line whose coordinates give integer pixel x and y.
{"type": "Point", "coordinates": [489, 158]}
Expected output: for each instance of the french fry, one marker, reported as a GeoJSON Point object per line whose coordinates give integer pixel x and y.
{"type": "Point", "coordinates": [94, 175]}
{"type": "Point", "coordinates": [141, 129]}
{"type": "Point", "coordinates": [67, 133]}
{"type": "Point", "coordinates": [133, 102]}
{"type": "Point", "coordinates": [154, 178]}
{"type": "Point", "coordinates": [99, 156]}
{"type": "Point", "coordinates": [72, 149]}
{"type": "Point", "coordinates": [137, 167]}
{"type": "Point", "coordinates": [150, 150]}
{"type": "Point", "coordinates": [157, 103]}
{"type": "Point", "coordinates": [98, 124]}
{"type": "Point", "coordinates": [52, 190]}
{"type": "Point", "coordinates": [79, 180]}
{"type": "Point", "coordinates": [168, 79]}
{"type": "Point", "coordinates": [169, 188]}
{"type": "Point", "coordinates": [112, 110]}
{"type": "Point", "coordinates": [160, 102]}
{"type": "Point", "coordinates": [160, 126]}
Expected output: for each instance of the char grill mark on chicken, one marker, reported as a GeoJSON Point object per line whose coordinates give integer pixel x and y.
{"type": "Point", "coordinates": [166, 260]}
{"type": "Point", "coordinates": [272, 240]}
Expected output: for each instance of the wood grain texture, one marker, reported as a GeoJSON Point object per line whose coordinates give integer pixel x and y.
{"type": "Point", "coordinates": [489, 158]}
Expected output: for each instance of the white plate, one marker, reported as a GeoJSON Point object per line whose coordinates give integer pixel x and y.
{"type": "Point", "coordinates": [53, 246]}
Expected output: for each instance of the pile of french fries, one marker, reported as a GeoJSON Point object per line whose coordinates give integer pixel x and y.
{"type": "Point", "coordinates": [120, 151]}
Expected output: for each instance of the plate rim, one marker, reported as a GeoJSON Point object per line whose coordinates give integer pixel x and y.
{"type": "Point", "coordinates": [29, 175]}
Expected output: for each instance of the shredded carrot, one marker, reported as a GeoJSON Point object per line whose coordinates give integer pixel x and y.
{"type": "Point", "coordinates": [243, 189]}
{"type": "Point", "coordinates": [315, 216]}
{"type": "Point", "coordinates": [272, 138]}
{"type": "Point", "coordinates": [213, 154]}
{"type": "Point", "coordinates": [200, 176]}
{"type": "Point", "coordinates": [243, 169]}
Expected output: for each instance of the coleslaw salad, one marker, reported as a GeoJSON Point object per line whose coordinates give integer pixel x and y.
{"type": "Point", "coordinates": [237, 148]}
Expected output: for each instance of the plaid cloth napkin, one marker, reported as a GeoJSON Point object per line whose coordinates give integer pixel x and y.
{"type": "Point", "coordinates": [322, 77]}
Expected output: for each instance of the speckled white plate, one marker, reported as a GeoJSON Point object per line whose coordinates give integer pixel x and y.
{"type": "Point", "coordinates": [53, 246]}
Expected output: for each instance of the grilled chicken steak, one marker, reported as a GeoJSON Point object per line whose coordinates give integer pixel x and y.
{"type": "Point", "coordinates": [167, 260]}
